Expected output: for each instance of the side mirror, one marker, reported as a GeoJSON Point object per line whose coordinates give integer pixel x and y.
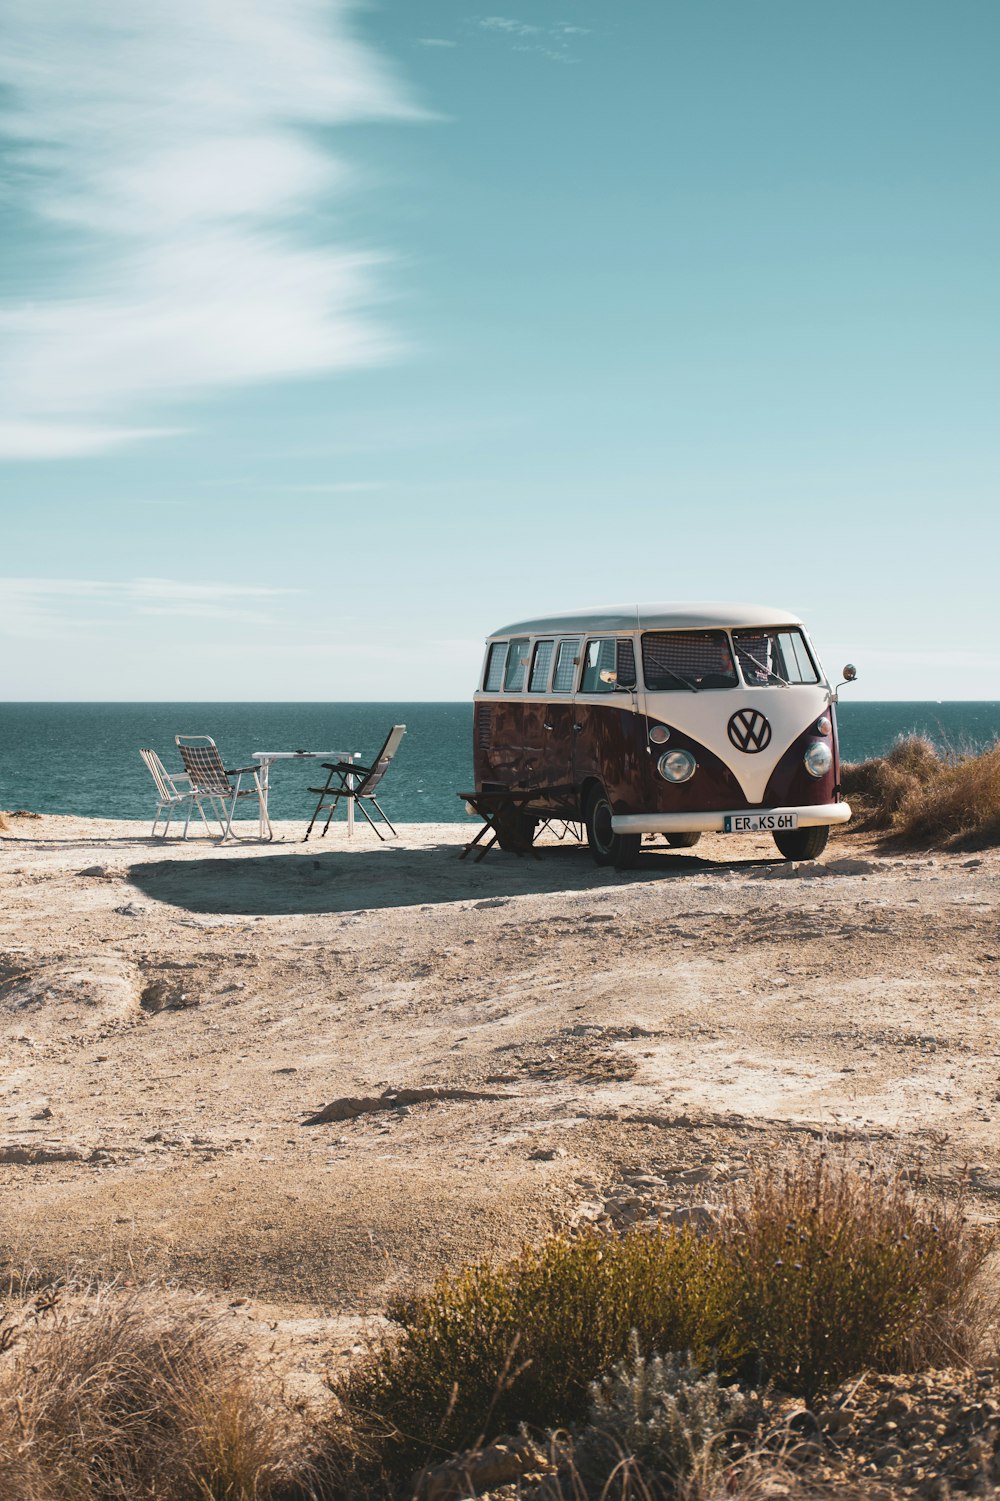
{"type": "Point", "coordinates": [850, 673]}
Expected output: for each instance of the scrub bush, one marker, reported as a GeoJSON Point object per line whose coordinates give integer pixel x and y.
{"type": "Point", "coordinates": [924, 798]}
{"type": "Point", "coordinates": [877, 789]}
{"type": "Point", "coordinates": [659, 1414]}
{"type": "Point", "coordinates": [836, 1269]}
{"type": "Point", "coordinates": [494, 1346]}
{"type": "Point", "coordinates": [961, 806]}
{"type": "Point", "coordinates": [813, 1274]}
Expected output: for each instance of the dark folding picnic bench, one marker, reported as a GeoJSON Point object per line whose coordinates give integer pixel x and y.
{"type": "Point", "coordinates": [506, 803]}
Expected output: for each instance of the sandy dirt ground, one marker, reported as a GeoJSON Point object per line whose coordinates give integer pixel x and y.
{"type": "Point", "coordinates": [579, 1043]}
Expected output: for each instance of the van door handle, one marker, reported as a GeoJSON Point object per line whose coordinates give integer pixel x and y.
{"type": "Point", "coordinates": [548, 726]}
{"type": "Point", "coordinates": [578, 729]}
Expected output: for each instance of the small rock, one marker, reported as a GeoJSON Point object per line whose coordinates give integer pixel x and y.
{"type": "Point", "coordinates": [546, 1154]}
{"type": "Point", "coordinates": [504, 1462]}
{"type": "Point", "coordinates": [838, 1419]}
{"type": "Point", "coordinates": [698, 1216]}
{"type": "Point", "coordinates": [28, 1154]}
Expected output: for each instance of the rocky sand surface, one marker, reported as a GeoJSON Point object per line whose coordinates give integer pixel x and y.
{"type": "Point", "coordinates": [303, 1076]}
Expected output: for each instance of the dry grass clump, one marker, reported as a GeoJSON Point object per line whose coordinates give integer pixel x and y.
{"type": "Point", "coordinates": [924, 797]}
{"type": "Point", "coordinates": [813, 1274]}
{"type": "Point", "coordinates": [836, 1269]}
{"type": "Point", "coordinates": [4, 825]}
{"type": "Point", "coordinates": [961, 806]}
{"type": "Point", "coordinates": [131, 1398]}
{"type": "Point", "coordinates": [877, 789]}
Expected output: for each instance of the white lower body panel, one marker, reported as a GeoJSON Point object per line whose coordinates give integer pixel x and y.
{"type": "Point", "coordinates": [711, 823]}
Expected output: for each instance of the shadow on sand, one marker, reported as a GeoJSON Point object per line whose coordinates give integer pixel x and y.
{"type": "Point", "coordinates": [270, 885]}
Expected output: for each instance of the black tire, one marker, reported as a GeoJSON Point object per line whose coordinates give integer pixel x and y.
{"type": "Point", "coordinates": [606, 847]}
{"type": "Point", "coordinates": [515, 832]}
{"type": "Point", "coordinates": [802, 844]}
{"type": "Point", "coordinates": [682, 841]}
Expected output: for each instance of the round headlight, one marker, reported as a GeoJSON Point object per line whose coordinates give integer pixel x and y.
{"type": "Point", "coordinates": [818, 759]}
{"type": "Point", "coordinates": [677, 765]}
{"type": "Point", "coordinates": [659, 734]}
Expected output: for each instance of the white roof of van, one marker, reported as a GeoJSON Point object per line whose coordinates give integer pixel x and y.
{"type": "Point", "coordinates": [662, 617]}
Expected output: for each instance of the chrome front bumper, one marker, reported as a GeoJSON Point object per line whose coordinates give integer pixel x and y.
{"type": "Point", "coordinates": [809, 817]}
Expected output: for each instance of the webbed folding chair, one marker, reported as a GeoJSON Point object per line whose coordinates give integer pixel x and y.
{"type": "Point", "coordinates": [172, 798]}
{"type": "Point", "coordinates": [348, 780]}
{"type": "Point", "coordinates": [209, 778]}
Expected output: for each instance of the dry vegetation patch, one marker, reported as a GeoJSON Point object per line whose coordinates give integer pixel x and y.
{"type": "Point", "coordinates": [814, 1273]}
{"type": "Point", "coordinates": [925, 797]}
{"type": "Point", "coordinates": [651, 1364]}
{"type": "Point", "coordinates": [137, 1396]}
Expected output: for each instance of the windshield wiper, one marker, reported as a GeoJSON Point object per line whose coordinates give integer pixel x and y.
{"type": "Point", "coordinates": [767, 671]}
{"type": "Point", "coordinates": [685, 682]}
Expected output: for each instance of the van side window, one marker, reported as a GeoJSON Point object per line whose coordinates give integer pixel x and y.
{"type": "Point", "coordinates": [600, 669]}
{"type": "Point", "coordinates": [540, 664]}
{"type": "Point", "coordinates": [566, 660]}
{"type": "Point", "coordinates": [494, 667]}
{"type": "Point", "coordinates": [513, 678]}
{"type": "Point", "coordinates": [626, 663]}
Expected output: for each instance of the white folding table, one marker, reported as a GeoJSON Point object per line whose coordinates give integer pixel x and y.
{"type": "Point", "coordinates": [266, 757]}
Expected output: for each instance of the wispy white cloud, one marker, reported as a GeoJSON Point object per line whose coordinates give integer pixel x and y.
{"type": "Point", "coordinates": [173, 147]}
{"type": "Point", "coordinates": [435, 41]}
{"type": "Point", "coordinates": [50, 607]}
{"type": "Point", "coordinates": [510, 25]}
{"type": "Point", "coordinates": [551, 41]}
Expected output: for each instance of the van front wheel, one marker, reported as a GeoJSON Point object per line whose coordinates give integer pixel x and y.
{"type": "Point", "coordinates": [682, 841]}
{"type": "Point", "coordinates": [802, 844]}
{"type": "Point", "coordinates": [607, 847]}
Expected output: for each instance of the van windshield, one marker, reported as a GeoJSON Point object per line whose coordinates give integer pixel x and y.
{"type": "Point", "coordinates": [673, 661]}
{"type": "Point", "coordinates": [774, 658]}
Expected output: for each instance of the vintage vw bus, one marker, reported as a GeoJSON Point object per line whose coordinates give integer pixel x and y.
{"type": "Point", "coordinates": [662, 719]}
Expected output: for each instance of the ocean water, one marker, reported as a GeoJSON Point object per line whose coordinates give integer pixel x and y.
{"type": "Point", "coordinates": [83, 758]}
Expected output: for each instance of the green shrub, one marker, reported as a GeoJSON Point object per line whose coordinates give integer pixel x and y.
{"type": "Point", "coordinates": [814, 1273]}
{"type": "Point", "coordinates": [660, 1415]}
{"type": "Point", "coordinates": [494, 1346]}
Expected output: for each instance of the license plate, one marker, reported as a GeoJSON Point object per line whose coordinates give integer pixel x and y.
{"type": "Point", "coordinates": [756, 823]}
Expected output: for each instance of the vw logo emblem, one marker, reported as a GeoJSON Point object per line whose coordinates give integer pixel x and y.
{"type": "Point", "coordinates": [749, 731]}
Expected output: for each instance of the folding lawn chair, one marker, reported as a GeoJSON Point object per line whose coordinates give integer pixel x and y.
{"type": "Point", "coordinates": [209, 778]}
{"type": "Point", "coordinates": [348, 780]}
{"type": "Point", "coordinates": [171, 797]}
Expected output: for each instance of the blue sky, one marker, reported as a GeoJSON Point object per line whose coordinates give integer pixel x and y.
{"type": "Point", "coordinates": [333, 336]}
